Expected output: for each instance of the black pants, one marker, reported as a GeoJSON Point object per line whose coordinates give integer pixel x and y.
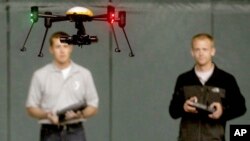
{"type": "Point", "coordinates": [70, 132]}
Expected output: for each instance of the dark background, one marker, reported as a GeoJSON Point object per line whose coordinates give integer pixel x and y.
{"type": "Point", "coordinates": [134, 92]}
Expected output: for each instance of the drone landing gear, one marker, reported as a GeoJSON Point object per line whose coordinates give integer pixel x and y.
{"type": "Point", "coordinates": [41, 49]}
{"type": "Point", "coordinates": [131, 54]}
{"type": "Point", "coordinates": [117, 49]}
{"type": "Point", "coordinates": [24, 48]}
{"type": "Point", "coordinates": [122, 24]}
{"type": "Point", "coordinates": [47, 24]}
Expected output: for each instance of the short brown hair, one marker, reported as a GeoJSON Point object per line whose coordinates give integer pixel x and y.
{"type": "Point", "coordinates": [57, 34]}
{"type": "Point", "coordinates": [202, 36]}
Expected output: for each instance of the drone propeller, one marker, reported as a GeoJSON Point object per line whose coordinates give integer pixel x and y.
{"type": "Point", "coordinates": [120, 7]}
{"type": "Point", "coordinates": [104, 6]}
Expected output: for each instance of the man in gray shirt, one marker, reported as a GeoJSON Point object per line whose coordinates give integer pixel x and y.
{"type": "Point", "coordinates": [56, 86]}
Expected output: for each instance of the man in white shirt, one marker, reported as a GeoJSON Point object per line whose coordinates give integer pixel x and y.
{"type": "Point", "coordinates": [59, 85]}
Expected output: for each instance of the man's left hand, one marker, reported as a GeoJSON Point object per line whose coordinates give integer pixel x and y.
{"type": "Point", "coordinates": [73, 115]}
{"type": "Point", "coordinates": [218, 110]}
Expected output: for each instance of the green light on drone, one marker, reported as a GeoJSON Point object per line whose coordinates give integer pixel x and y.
{"type": "Point", "coordinates": [34, 14]}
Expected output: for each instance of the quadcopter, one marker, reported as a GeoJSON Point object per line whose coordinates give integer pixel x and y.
{"type": "Point", "coordinates": [79, 15]}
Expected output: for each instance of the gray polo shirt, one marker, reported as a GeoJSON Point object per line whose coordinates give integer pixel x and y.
{"type": "Point", "coordinates": [51, 92]}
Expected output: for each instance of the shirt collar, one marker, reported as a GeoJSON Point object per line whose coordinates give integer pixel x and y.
{"type": "Point", "coordinates": [214, 74]}
{"type": "Point", "coordinates": [73, 66]}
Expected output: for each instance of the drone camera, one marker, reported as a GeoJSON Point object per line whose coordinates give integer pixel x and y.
{"type": "Point", "coordinates": [34, 14]}
{"type": "Point", "coordinates": [79, 39]}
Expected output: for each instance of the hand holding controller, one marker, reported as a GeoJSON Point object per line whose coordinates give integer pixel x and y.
{"type": "Point", "coordinates": [203, 107]}
{"type": "Point", "coordinates": [218, 110]}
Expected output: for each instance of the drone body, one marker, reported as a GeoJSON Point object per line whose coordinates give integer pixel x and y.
{"type": "Point", "coordinates": [79, 15]}
{"type": "Point", "coordinates": [79, 11]}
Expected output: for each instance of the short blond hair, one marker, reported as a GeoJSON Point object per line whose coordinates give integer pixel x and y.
{"type": "Point", "coordinates": [202, 36]}
{"type": "Point", "coordinates": [57, 34]}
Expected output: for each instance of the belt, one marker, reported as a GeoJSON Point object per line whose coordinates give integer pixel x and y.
{"type": "Point", "coordinates": [62, 127]}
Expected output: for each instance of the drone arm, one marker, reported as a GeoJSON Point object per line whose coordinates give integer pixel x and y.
{"type": "Point", "coordinates": [53, 18]}
{"type": "Point", "coordinates": [59, 19]}
{"type": "Point", "coordinates": [99, 19]}
{"type": "Point", "coordinates": [45, 15]}
{"type": "Point", "coordinates": [103, 16]}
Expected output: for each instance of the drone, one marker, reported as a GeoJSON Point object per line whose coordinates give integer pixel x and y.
{"type": "Point", "coordinates": [79, 15]}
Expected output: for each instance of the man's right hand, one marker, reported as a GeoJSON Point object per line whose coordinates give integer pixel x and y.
{"type": "Point", "coordinates": [188, 105]}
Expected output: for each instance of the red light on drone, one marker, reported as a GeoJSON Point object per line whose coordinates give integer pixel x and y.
{"type": "Point", "coordinates": [111, 14]}
{"type": "Point", "coordinates": [112, 18]}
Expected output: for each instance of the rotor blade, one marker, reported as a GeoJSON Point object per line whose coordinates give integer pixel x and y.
{"type": "Point", "coordinates": [105, 5]}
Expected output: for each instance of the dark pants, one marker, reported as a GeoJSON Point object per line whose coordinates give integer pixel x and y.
{"type": "Point", "coordinates": [71, 132]}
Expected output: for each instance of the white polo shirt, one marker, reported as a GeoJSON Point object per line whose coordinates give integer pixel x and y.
{"type": "Point", "coordinates": [51, 92]}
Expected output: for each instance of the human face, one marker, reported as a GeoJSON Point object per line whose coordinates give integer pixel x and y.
{"type": "Point", "coordinates": [203, 51]}
{"type": "Point", "coordinates": [61, 51]}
